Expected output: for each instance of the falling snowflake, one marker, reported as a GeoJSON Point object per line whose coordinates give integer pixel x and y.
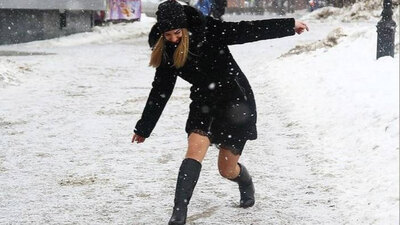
{"type": "Point", "coordinates": [211, 86]}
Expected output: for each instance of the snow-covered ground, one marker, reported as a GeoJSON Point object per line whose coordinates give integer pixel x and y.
{"type": "Point", "coordinates": [327, 152]}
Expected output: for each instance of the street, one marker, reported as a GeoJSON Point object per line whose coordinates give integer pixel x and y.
{"type": "Point", "coordinates": [66, 121]}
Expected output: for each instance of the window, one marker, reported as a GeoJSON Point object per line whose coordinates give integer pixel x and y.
{"type": "Point", "coordinates": [63, 19]}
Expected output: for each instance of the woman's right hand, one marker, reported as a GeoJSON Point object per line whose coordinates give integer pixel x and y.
{"type": "Point", "coordinates": [139, 139]}
{"type": "Point", "coordinates": [300, 26]}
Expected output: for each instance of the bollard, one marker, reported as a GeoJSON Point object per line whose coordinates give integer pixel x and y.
{"type": "Point", "coordinates": [386, 29]}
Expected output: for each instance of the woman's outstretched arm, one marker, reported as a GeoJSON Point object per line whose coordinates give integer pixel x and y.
{"type": "Point", "coordinates": [163, 85]}
{"type": "Point", "coordinates": [248, 31]}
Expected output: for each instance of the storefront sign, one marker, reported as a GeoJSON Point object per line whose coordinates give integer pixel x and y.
{"type": "Point", "coordinates": [123, 10]}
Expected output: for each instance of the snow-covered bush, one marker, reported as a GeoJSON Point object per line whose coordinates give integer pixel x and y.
{"type": "Point", "coordinates": [361, 10]}
{"type": "Point", "coordinates": [331, 40]}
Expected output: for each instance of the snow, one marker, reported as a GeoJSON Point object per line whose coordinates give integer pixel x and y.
{"type": "Point", "coordinates": [328, 121]}
{"type": "Point", "coordinates": [353, 113]}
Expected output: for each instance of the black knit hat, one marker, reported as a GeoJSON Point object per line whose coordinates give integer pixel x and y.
{"type": "Point", "coordinates": [170, 15]}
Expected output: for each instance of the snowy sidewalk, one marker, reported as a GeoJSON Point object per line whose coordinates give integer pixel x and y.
{"type": "Point", "coordinates": [66, 120]}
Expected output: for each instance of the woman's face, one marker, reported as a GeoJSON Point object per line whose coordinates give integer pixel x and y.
{"type": "Point", "coordinates": [173, 36]}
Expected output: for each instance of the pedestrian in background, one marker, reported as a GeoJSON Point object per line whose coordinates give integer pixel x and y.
{"type": "Point", "coordinates": [204, 6]}
{"type": "Point", "coordinates": [218, 9]}
{"type": "Point", "coordinates": [187, 44]}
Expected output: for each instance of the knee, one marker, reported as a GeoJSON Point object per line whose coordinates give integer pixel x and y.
{"type": "Point", "coordinates": [228, 173]}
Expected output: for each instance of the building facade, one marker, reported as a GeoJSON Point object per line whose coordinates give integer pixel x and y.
{"type": "Point", "coordinates": [24, 21]}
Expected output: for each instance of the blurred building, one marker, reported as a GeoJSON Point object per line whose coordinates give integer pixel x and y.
{"type": "Point", "coordinates": [23, 21]}
{"type": "Point", "coordinates": [261, 6]}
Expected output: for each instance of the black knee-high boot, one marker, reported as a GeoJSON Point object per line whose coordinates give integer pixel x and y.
{"type": "Point", "coordinates": [187, 178]}
{"type": "Point", "coordinates": [246, 187]}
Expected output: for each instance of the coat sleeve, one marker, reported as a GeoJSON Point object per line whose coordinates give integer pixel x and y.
{"type": "Point", "coordinates": [163, 85]}
{"type": "Point", "coordinates": [231, 33]}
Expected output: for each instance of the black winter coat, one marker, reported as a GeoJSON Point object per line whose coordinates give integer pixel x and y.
{"type": "Point", "coordinates": [223, 104]}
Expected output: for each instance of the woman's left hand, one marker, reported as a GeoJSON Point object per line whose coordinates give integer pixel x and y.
{"type": "Point", "coordinates": [139, 139]}
{"type": "Point", "coordinates": [300, 26]}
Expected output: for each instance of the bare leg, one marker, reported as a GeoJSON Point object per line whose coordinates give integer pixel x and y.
{"type": "Point", "coordinates": [228, 164]}
{"type": "Point", "coordinates": [230, 168]}
{"type": "Point", "coordinates": [197, 147]}
{"type": "Point", "coordinates": [188, 175]}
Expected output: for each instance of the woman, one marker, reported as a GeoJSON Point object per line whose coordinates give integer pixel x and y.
{"type": "Point", "coordinates": [218, 9]}
{"type": "Point", "coordinates": [223, 111]}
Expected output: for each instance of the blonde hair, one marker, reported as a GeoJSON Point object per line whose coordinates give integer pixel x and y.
{"type": "Point", "coordinates": [180, 55]}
